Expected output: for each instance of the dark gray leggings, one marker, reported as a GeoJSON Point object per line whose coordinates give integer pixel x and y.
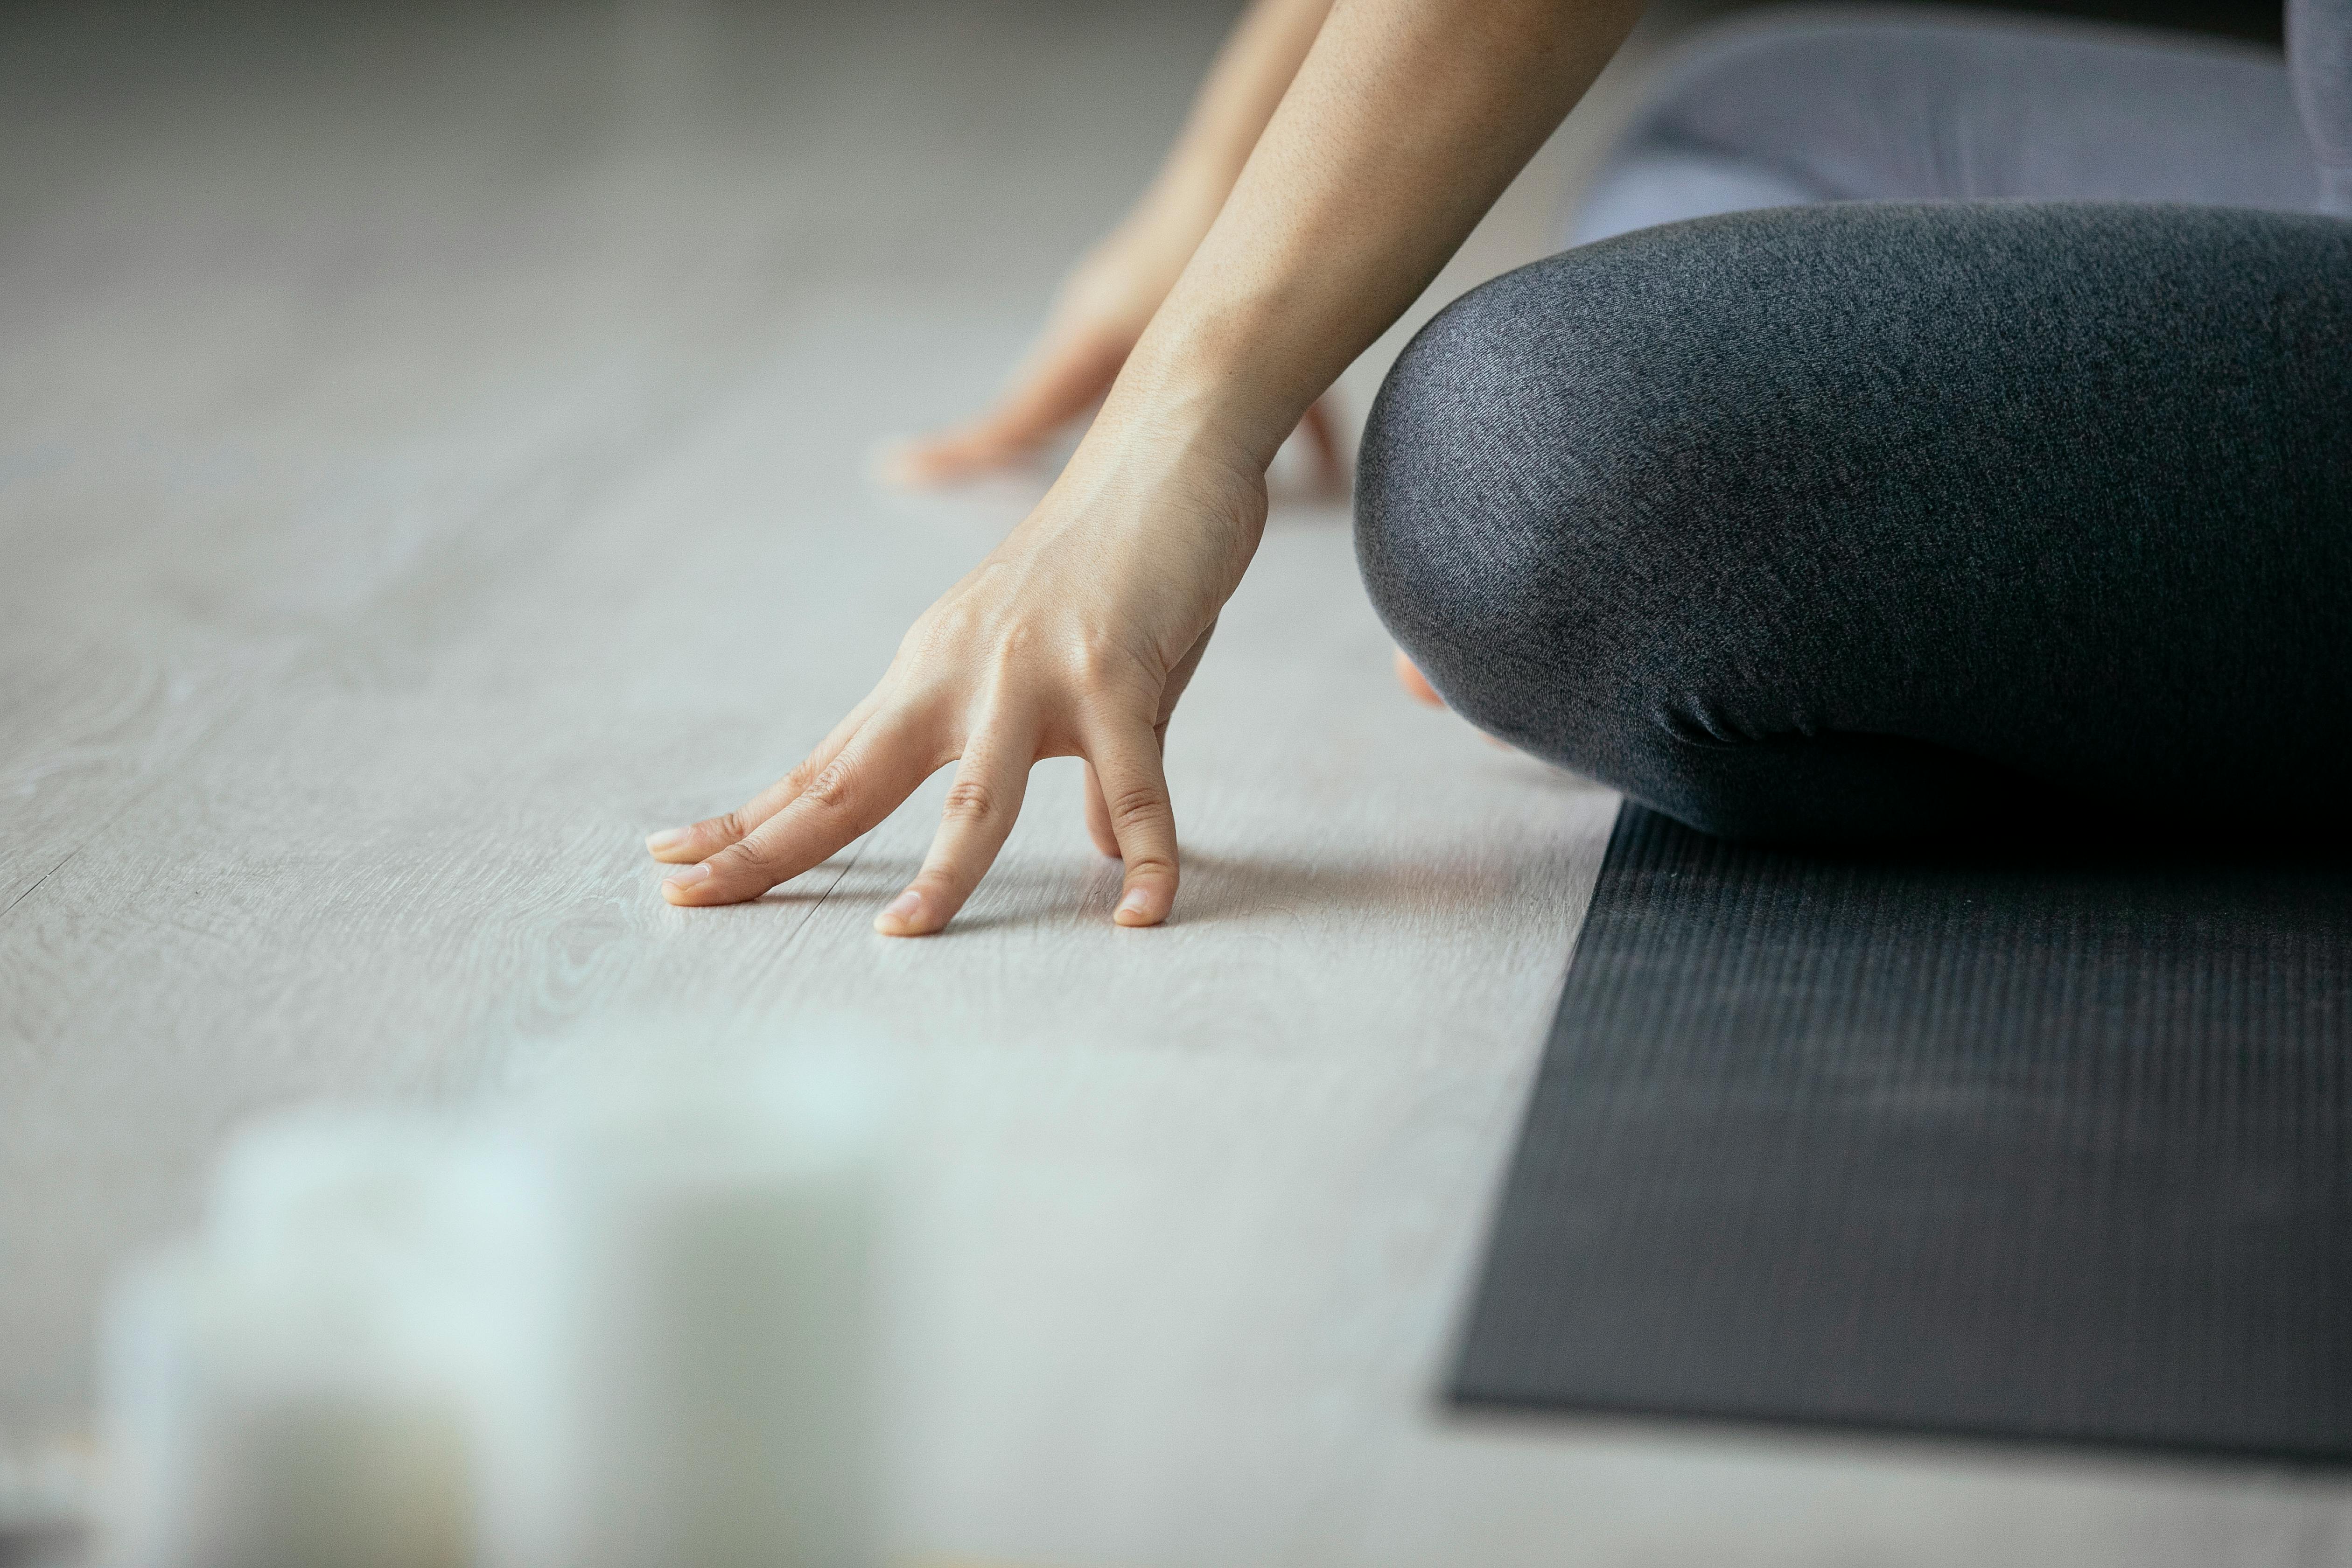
{"type": "Point", "coordinates": [1856, 520]}
{"type": "Point", "coordinates": [1865, 520]}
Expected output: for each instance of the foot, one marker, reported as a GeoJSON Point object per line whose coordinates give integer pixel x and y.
{"type": "Point", "coordinates": [1416, 685]}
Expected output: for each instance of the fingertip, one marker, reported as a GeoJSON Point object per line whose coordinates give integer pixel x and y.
{"type": "Point", "coordinates": [911, 463]}
{"type": "Point", "coordinates": [669, 844]}
{"type": "Point", "coordinates": [905, 916]}
{"type": "Point", "coordinates": [1142, 906]}
{"type": "Point", "coordinates": [923, 462]}
{"type": "Point", "coordinates": [892, 463]}
{"type": "Point", "coordinates": [686, 887]}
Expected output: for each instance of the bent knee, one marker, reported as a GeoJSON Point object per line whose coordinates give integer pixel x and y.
{"type": "Point", "coordinates": [1574, 512]}
{"type": "Point", "coordinates": [1515, 525]}
{"type": "Point", "coordinates": [1739, 479]}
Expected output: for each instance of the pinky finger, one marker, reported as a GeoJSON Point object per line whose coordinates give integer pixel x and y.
{"type": "Point", "coordinates": [1321, 427]}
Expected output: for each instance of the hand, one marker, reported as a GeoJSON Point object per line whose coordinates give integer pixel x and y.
{"type": "Point", "coordinates": [1077, 634]}
{"type": "Point", "coordinates": [1096, 319]}
{"type": "Point", "coordinates": [1075, 638]}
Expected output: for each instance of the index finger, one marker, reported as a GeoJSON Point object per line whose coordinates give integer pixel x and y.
{"type": "Point", "coordinates": [848, 796]}
{"type": "Point", "coordinates": [684, 846]}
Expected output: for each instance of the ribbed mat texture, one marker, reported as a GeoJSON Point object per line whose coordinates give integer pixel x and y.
{"type": "Point", "coordinates": [2048, 1142]}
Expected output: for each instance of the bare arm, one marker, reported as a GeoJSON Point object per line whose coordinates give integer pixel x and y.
{"type": "Point", "coordinates": [1405, 123]}
{"type": "Point", "coordinates": [1110, 296]}
{"type": "Point", "coordinates": [1077, 634]}
{"type": "Point", "coordinates": [1236, 100]}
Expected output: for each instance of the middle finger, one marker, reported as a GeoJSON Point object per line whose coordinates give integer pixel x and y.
{"type": "Point", "coordinates": [981, 808]}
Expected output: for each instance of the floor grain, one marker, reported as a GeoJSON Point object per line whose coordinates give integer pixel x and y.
{"type": "Point", "coordinates": [431, 453]}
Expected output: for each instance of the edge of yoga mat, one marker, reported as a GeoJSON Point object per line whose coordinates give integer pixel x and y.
{"type": "Point", "coordinates": [2048, 1143]}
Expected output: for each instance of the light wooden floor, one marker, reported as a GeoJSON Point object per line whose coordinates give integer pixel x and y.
{"type": "Point", "coordinates": [431, 454]}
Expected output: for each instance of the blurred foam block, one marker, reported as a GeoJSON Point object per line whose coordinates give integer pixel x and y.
{"type": "Point", "coordinates": [715, 1283]}
{"type": "Point", "coordinates": [637, 1329]}
{"type": "Point", "coordinates": [308, 1383]}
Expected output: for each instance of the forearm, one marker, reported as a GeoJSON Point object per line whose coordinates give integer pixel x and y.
{"type": "Point", "coordinates": [1405, 124]}
{"type": "Point", "coordinates": [1236, 99]}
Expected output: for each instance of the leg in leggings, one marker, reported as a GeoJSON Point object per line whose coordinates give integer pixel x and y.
{"type": "Point", "coordinates": [1818, 107]}
{"type": "Point", "coordinates": [1845, 521]}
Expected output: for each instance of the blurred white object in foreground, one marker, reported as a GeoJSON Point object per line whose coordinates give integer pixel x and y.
{"type": "Point", "coordinates": [715, 1298]}
{"type": "Point", "coordinates": [45, 1503]}
{"type": "Point", "coordinates": [307, 1384]}
{"type": "Point", "coordinates": [633, 1331]}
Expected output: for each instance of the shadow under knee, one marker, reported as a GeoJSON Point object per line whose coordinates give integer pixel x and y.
{"type": "Point", "coordinates": [1837, 791]}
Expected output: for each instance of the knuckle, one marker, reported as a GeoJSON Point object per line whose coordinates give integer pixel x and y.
{"type": "Point", "coordinates": [831, 786]}
{"type": "Point", "coordinates": [1016, 641]}
{"type": "Point", "coordinates": [804, 774]}
{"type": "Point", "coordinates": [1136, 805]}
{"type": "Point", "coordinates": [1105, 670]}
{"type": "Point", "coordinates": [1094, 659]}
{"type": "Point", "coordinates": [730, 826]}
{"type": "Point", "coordinates": [969, 801]}
{"type": "Point", "coordinates": [1010, 654]}
{"type": "Point", "coordinates": [741, 858]}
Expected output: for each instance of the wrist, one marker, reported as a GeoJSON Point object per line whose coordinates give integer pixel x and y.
{"type": "Point", "coordinates": [1208, 384]}
{"type": "Point", "coordinates": [1164, 459]}
{"type": "Point", "coordinates": [1182, 411]}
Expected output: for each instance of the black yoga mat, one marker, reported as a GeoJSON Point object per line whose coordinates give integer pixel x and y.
{"type": "Point", "coordinates": [2049, 1141]}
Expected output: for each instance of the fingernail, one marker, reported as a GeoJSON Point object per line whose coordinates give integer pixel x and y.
{"type": "Point", "coordinates": [1133, 904]}
{"type": "Point", "coordinates": [904, 907]}
{"type": "Point", "coordinates": [691, 877]}
{"type": "Point", "coordinates": [669, 838]}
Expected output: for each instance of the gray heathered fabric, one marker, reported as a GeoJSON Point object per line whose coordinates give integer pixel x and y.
{"type": "Point", "coordinates": [1813, 522]}
{"type": "Point", "coordinates": [1827, 105]}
